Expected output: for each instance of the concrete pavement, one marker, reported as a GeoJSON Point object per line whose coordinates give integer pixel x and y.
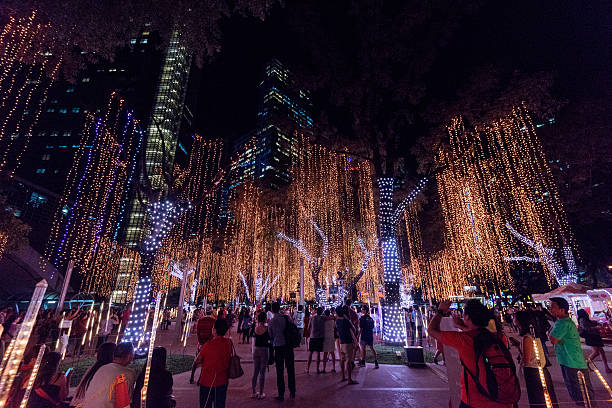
{"type": "Point", "coordinates": [389, 386]}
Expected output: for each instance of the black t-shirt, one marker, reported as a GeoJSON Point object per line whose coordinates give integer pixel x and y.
{"type": "Point", "coordinates": [262, 340]}
{"type": "Point", "coordinates": [366, 324]}
{"type": "Point", "coordinates": [344, 327]}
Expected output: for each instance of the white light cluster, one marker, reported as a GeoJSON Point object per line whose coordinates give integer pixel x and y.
{"type": "Point", "coordinates": [317, 263]}
{"type": "Point", "coordinates": [163, 216]}
{"type": "Point", "coordinates": [246, 287]}
{"type": "Point", "coordinates": [136, 326]}
{"type": "Point", "coordinates": [393, 328]}
{"type": "Point", "coordinates": [399, 211]}
{"type": "Point", "coordinates": [546, 255]}
{"type": "Point", "coordinates": [521, 258]}
{"type": "Point", "coordinates": [366, 259]}
{"type": "Point", "coordinates": [262, 287]}
{"type": "Point", "coordinates": [569, 259]}
{"type": "Point", "coordinates": [299, 246]}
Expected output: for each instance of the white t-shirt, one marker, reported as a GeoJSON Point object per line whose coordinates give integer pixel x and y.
{"type": "Point", "coordinates": [298, 319]}
{"type": "Point", "coordinates": [101, 390]}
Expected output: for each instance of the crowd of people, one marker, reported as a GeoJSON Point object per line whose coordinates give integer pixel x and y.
{"type": "Point", "coordinates": [337, 334]}
{"type": "Point", "coordinates": [488, 377]}
{"type": "Point", "coordinates": [341, 331]}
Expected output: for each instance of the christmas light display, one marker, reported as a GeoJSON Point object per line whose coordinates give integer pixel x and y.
{"type": "Point", "coordinates": [393, 331]}
{"type": "Point", "coordinates": [366, 259]}
{"type": "Point", "coordinates": [541, 374]}
{"type": "Point", "coordinates": [3, 242]}
{"type": "Point", "coordinates": [317, 263]}
{"type": "Point", "coordinates": [13, 360]}
{"type": "Point", "coordinates": [33, 374]}
{"type": "Point", "coordinates": [495, 183]}
{"type": "Point", "coordinates": [145, 384]}
{"type": "Point", "coordinates": [27, 68]}
{"type": "Point", "coordinates": [262, 287]}
{"type": "Point", "coordinates": [338, 191]}
{"type": "Point", "coordinates": [95, 191]}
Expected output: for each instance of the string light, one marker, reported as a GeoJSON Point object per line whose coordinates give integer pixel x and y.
{"type": "Point", "coordinates": [495, 183]}
{"type": "Point", "coordinates": [27, 70]}
{"type": "Point", "coordinates": [33, 374]}
{"type": "Point", "coordinates": [7, 377]}
{"type": "Point", "coordinates": [145, 384]}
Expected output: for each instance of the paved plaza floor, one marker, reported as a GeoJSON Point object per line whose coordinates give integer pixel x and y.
{"type": "Point", "coordinates": [390, 386]}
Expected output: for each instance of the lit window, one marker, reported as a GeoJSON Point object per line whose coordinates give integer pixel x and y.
{"type": "Point", "coordinates": [144, 41]}
{"type": "Point", "coordinates": [41, 133]}
{"type": "Point", "coordinates": [46, 156]}
{"type": "Point", "coordinates": [40, 171]}
{"type": "Point", "coordinates": [76, 110]}
{"type": "Point", "coordinates": [70, 90]}
{"type": "Point", "coordinates": [54, 134]}
{"type": "Point", "coordinates": [133, 41]}
{"type": "Point", "coordinates": [85, 79]}
{"type": "Point", "coordinates": [63, 110]}
{"type": "Point", "coordinates": [67, 133]}
{"type": "Point", "coordinates": [50, 110]}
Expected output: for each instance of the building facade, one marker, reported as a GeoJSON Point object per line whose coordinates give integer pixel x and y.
{"type": "Point", "coordinates": [267, 153]}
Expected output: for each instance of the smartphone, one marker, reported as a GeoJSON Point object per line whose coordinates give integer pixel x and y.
{"type": "Point", "coordinates": [68, 371]}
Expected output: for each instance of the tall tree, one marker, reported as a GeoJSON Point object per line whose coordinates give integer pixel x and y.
{"type": "Point", "coordinates": [13, 231]}
{"type": "Point", "coordinates": [370, 62]}
{"type": "Point", "coordinates": [88, 30]}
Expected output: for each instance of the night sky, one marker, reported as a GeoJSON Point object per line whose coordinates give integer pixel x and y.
{"type": "Point", "coordinates": [570, 39]}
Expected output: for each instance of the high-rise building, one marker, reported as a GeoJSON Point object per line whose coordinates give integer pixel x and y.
{"type": "Point", "coordinates": [268, 152]}
{"type": "Point", "coordinates": [164, 142]}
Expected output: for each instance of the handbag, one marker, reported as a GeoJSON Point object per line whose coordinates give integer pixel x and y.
{"type": "Point", "coordinates": [235, 369]}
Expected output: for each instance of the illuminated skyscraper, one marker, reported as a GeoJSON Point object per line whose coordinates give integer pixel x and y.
{"type": "Point", "coordinates": [271, 149]}
{"type": "Point", "coordinates": [162, 144]}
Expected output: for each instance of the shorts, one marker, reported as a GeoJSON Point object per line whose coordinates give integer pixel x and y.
{"type": "Point", "coordinates": [316, 344]}
{"type": "Point", "coordinates": [367, 343]}
{"type": "Point", "coordinates": [346, 351]}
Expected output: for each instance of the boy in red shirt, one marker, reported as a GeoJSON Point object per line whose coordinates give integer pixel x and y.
{"type": "Point", "coordinates": [476, 317]}
{"type": "Point", "coordinates": [214, 358]}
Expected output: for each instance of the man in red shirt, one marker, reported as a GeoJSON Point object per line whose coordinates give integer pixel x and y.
{"type": "Point", "coordinates": [205, 326]}
{"type": "Point", "coordinates": [214, 357]}
{"type": "Point", "coordinates": [476, 317]}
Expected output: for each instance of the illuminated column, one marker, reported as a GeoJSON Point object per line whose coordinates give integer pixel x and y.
{"type": "Point", "coordinates": [163, 217]}
{"type": "Point", "coordinates": [392, 319]}
{"type": "Point", "coordinates": [145, 385]}
{"type": "Point", "coordinates": [33, 374]}
{"type": "Point", "coordinates": [12, 364]}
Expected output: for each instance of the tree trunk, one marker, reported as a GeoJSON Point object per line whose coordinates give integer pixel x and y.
{"type": "Point", "coordinates": [135, 328]}
{"type": "Point", "coordinates": [394, 331]}
{"type": "Point", "coordinates": [163, 217]}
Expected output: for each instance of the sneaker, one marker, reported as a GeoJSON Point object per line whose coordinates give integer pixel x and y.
{"type": "Point", "coordinates": [292, 395]}
{"type": "Point", "coordinates": [362, 363]}
{"type": "Point", "coordinates": [376, 364]}
{"type": "Point", "coordinates": [261, 396]}
{"type": "Point", "coordinates": [255, 395]}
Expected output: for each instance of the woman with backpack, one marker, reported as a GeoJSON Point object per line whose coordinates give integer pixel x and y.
{"type": "Point", "coordinates": [589, 330]}
{"type": "Point", "coordinates": [532, 359]}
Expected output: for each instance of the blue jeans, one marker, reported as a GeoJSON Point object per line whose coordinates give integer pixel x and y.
{"type": "Point", "coordinates": [570, 377]}
{"type": "Point", "coordinates": [210, 395]}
